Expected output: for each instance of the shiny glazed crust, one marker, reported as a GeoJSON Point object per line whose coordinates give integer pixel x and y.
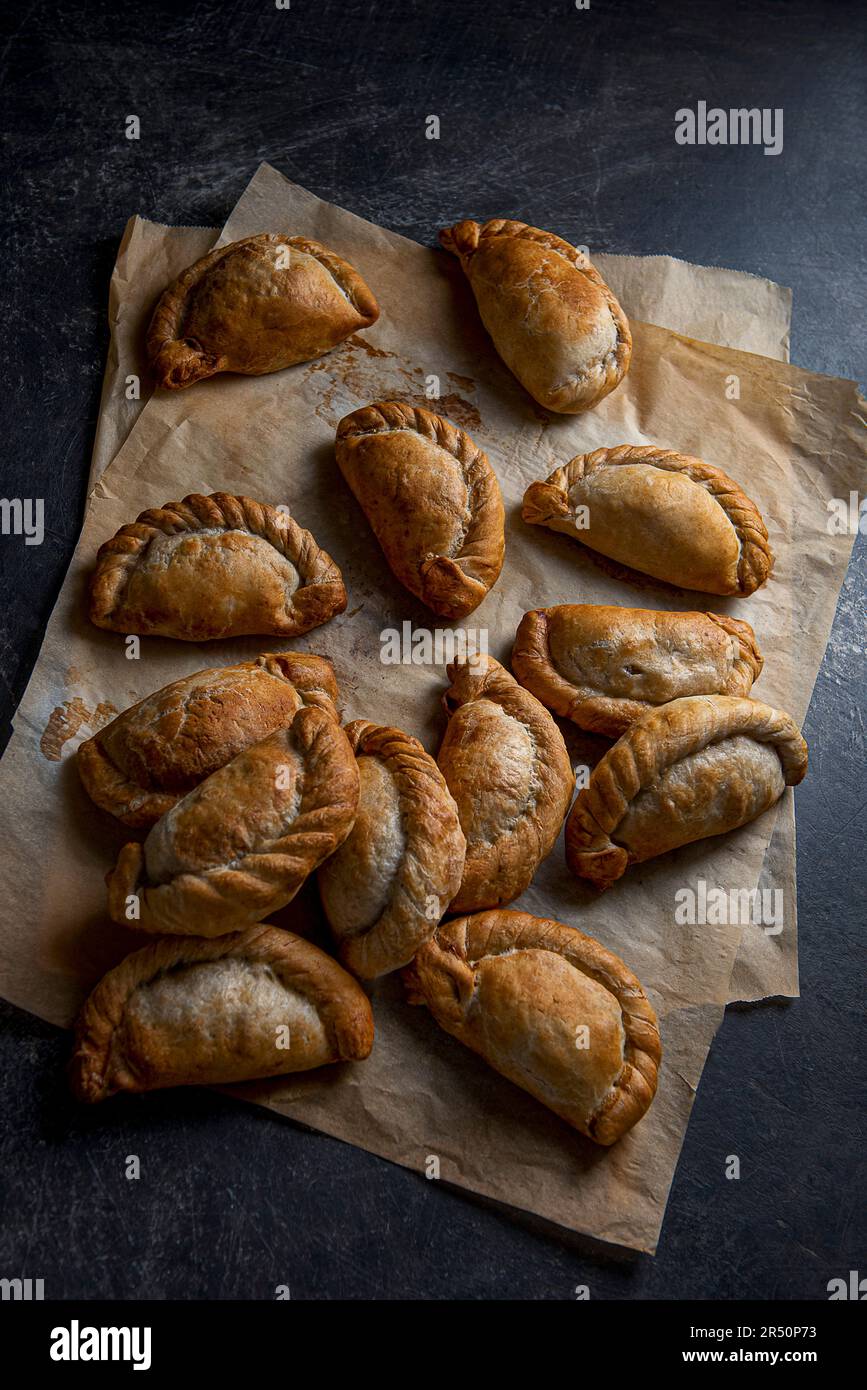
{"type": "Point", "coordinates": [453, 583]}
{"type": "Point", "coordinates": [146, 759]}
{"type": "Point", "coordinates": [657, 742]}
{"type": "Point", "coordinates": [159, 609]}
{"type": "Point", "coordinates": [446, 976]}
{"type": "Point", "coordinates": [417, 878]}
{"type": "Point", "coordinates": [549, 503]}
{"type": "Point", "coordinates": [551, 316]}
{"type": "Point", "coordinates": [630, 636]}
{"type": "Point", "coordinates": [223, 315]}
{"type": "Point", "coordinates": [506, 765]}
{"type": "Point", "coordinates": [240, 845]}
{"type": "Point", "coordinates": [105, 1059]}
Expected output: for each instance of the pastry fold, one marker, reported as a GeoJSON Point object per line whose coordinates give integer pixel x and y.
{"type": "Point", "coordinates": [432, 499]}
{"type": "Point", "coordinates": [261, 1002]}
{"type": "Point", "coordinates": [240, 845]}
{"type": "Point", "coordinates": [603, 667]}
{"type": "Point", "coordinates": [550, 314]}
{"type": "Point", "coordinates": [213, 567]}
{"type": "Point", "coordinates": [152, 754]}
{"type": "Point", "coordinates": [506, 765]}
{"type": "Point", "coordinates": [668, 515]}
{"type": "Point", "coordinates": [548, 1008]}
{"type": "Point", "coordinates": [256, 306]}
{"type": "Point", "coordinates": [699, 766]}
{"type": "Point", "coordinates": [389, 883]}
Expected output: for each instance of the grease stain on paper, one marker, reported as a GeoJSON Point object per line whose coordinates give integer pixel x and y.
{"type": "Point", "coordinates": [349, 375]}
{"type": "Point", "coordinates": [65, 722]}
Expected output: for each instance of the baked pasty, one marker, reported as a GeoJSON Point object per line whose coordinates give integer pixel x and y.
{"type": "Point", "coordinates": [696, 767]}
{"type": "Point", "coordinates": [394, 876]}
{"type": "Point", "coordinates": [241, 843]}
{"type": "Point", "coordinates": [432, 499]}
{"type": "Point", "coordinates": [550, 1009]}
{"type": "Point", "coordinates": [506, 765]}
{"type": "Point", "coordinates": [261, 1002]}
{"type": "Point", "coordinates": [256, 306]}
{"type": "Point", "coordinates": [603, 667]}
{"type": "Point", "coordinates": [217, 566]}
{"type": "Point", "coordinates": [668, 515]}
{"type": "Point", "coordinates": [144, 761]}
{"type": "Point", "coordinates": [551, 316]}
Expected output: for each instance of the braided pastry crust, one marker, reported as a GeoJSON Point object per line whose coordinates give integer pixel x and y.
{"type": "Point", "coordinates": [666, 514]}
{"type": "Point", "coordinates": [388, 885]}
{"type": "Point", "coordinates": [141, 764]}
{"type": "Point", "coordinates": [506, 765]}
{"type": "Point", "coordinates": [212, 567]}
{"type": "Point", "coordinates": [604, 667]}
{"type": "Point", "coordinates": [432, 499]}
{"type": "Point", "coordinates": [240, 845]}
{"type": "Point", "coordinates": [699, 766]}
{"type": "Point", "coordinates": [517, 989]}
{"type": "Point", "coordinates": [551, 316]}
{"type": "Point", "coordinates": [261, 1002]}
{"type": "Point", "coordinates": [256, 306]}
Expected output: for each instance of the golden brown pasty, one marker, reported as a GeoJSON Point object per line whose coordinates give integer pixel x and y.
{"type": "Point", "coordinates": [261, 1002]}
{"type": "Point", "coordinates": [603, 667]}
{"type": "Point", "coordinates": [432, 499]}
{"type": "Point", "coordinates": [394, 876]}
{"type": "Point", "coordinates": [209, 567]}
{"type": "Point", "coordinates": [506, 765]}
{"type": "Point", "coordinates": [696, 767]}
{"type": "Point", "coordinates": [550, 1009]}
{"type": "Point", "coordinates": [144, 761]}
{"type": "Point", "coordinates": [665, 514]}
{"type": "Point", "coordinates": [256, 306]}
{"type": "Point", "coordinates": [241, 843]}
{"type": "Point", "coordinates": [551, 316]}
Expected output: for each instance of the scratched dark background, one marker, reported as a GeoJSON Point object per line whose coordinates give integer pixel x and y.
{"type": "Point", "coordinates": [562, 118]}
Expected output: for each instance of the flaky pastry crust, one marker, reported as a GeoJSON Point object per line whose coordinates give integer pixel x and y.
{"type": "Point", "coordinates": [506, 765]}
{"type": "Point", "coordinates": [239, 846]}
{"type": "Point", "coordinates": [603, 667]}
{"type": "Point", "coordinates": [551, 316]}
{"type": "Point", "coordinates": [517, 989]}
{"type": "Point", "coordinates": [261, 1002]}
{"type": "Point", "coordinates": [432, 499]}
{"type": "Point", "coordinates": [671, 516]}
{"type": "Point", "coordinates": [391, 880]}
{"type": "Point", "coordinates": [152, 754]}
{"type": "Point", "coordinates": [256, 306]}
{"type": "Point", "coordinates": [213, 567]}
{"type": "Point", "coordinates": [696, 767]}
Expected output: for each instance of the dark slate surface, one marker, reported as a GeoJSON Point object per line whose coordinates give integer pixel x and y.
{"type": "Point", "coordinates": [564, 118]}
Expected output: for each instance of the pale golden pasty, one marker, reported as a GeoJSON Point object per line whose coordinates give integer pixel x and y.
{"type": "Point", "coordinates": [217, 566]}
{"type": "Point", "coordinates": [256, 306]}
{"type": "Point", "coordinates": [551, 316]}
{"type": "Point", "coordinates": [399, 868]}
{"type": "Point", "coordinates": [668, 515]}
{"type": "Point", "coordinates": [241, 843]}
{"type": "Point", "coordinates": [603, 666]}
{"type": "Point", "coordinates": [696, 767]}
{"type": "Point", "coordinates": [506, 765]}
{"type": "Point", "coordinates": [189, 1012]}
{"type": "Point", "coordinates": [432, 499]}
{"type": "Point", "coordinates": [550, 1009]}
{"type": "Point", "coordinates": [144, 761]}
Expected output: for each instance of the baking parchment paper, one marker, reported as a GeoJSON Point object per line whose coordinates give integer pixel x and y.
{"type": "Point", "coordinates": [791, 439]}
